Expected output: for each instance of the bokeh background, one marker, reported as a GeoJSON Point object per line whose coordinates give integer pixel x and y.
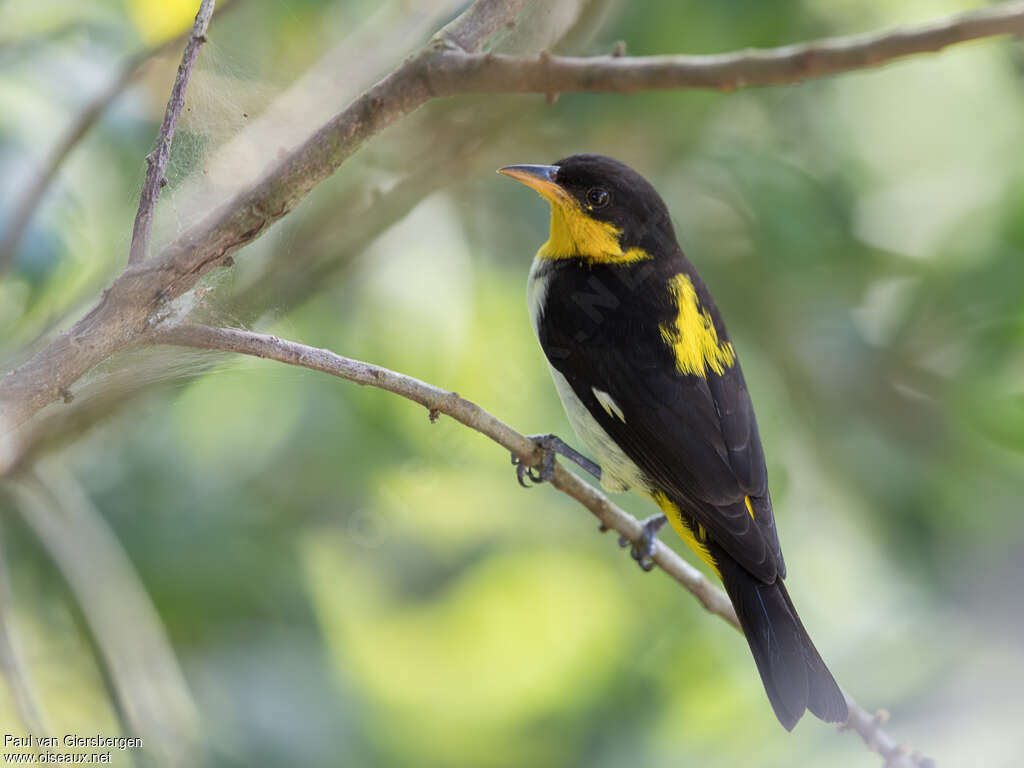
{"type": "Point", "coordinates": [255, 565]}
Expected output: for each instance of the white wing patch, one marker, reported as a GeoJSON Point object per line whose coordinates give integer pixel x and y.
{"type": "Point", "coordinates": [609, 405]}
{"type": "Point", "coordinates": [618, 472]}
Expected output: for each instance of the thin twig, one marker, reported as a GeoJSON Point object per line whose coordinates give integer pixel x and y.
{"type": "Point", "coordinates": [156, 161]}
{"type": "Point", "coordinates": [464, 411]}
{"type": "Point", "coordinates": [24, 209]}
{"type": "Point", "coordinates": [437, 400]}
{"type": "Point", "coordinates": [26, 701]}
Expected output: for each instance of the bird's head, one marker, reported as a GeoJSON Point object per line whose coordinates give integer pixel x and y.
{"type": "Point", "coordinates": [601, 210]}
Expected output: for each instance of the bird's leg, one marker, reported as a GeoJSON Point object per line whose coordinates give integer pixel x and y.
{"type": "Point", "coordinates": [550, 445]}
{"type": "Point", "coordinates": [642, 550]}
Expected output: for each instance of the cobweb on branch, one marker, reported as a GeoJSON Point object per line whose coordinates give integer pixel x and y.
{"type": "Point", "coordinates": [236, 124]}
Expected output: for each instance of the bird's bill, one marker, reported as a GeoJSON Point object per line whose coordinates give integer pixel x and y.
{"type": "Point", "coordinates": [540, 178]}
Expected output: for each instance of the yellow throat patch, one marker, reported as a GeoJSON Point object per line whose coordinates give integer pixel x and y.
{"type": "Point", "coordinates": [692, 336]}
{"type": "Point", "coordinates": [575, 234]}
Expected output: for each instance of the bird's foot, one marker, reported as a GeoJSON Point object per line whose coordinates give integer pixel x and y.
{"type": "Point", "coordinates": [545, 469]}
{"type": "Point", "coordinates": [544, 472]}
{"type": "Point", "coordinates": [642, 550]}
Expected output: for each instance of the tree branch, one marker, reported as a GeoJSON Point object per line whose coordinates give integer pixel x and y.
{"type": "Point", "coordinates": [437, 401]}
{"type": "Point", "coordinates": [477, 24]}
{"type": "Point", "coordinates": [124, 311]}
{"type": "Point", "coordinates": [156, 161]}
{"type": "Point", "coordinates": [459, 73]}
{"type": "Point", "coordinates": [132, 303]}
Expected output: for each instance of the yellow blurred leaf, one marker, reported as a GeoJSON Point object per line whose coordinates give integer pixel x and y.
{"type": "Point", "coordinates": [159, 20]}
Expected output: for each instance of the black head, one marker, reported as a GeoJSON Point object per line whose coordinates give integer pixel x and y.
{"type": "Point", "coordinates": [612, 191]}
{"type": "Point", "coordinates": [587, 191]}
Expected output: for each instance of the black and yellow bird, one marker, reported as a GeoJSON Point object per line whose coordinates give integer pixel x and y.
{"type": "Point", "coordinates": [652, 385]}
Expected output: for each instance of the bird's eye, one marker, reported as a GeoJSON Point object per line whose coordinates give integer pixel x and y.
{"type": "Point", "coordinates": [597, 197]}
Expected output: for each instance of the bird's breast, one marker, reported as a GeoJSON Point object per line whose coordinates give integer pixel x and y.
{"type": "Point", "coordinates": [536, 290]}
{"type": "Point", "coordinates": [559, 283]}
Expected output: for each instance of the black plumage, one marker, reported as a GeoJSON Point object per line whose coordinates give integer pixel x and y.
{"type": "Point", "coordinates": [614, 323]}
{"type": "Point", "coordinates": [675, 425]}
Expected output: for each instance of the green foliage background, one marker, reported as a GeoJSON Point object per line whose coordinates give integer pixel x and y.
{"type": "Point", "coordinates": [346, 584]}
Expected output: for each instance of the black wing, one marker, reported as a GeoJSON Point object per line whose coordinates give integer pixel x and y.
{"type": "Point", "coordinates": [695, 437]}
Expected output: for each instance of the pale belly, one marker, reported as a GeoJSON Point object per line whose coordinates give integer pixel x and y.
{"type": "Point", "coordinates": [618, 472]}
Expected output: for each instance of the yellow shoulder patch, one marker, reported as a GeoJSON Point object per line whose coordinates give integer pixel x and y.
{"type": "Point", "coordinates": [692, 336]}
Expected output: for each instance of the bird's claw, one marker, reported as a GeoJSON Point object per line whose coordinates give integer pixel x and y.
{"type": "Point", "coordinates": [549, 445]}
{"type": "Point", "coordinates": [541, 474]}
{"type": "Point", "coordinates": [642, 550]}
{"type": "Point", "coordinates": [524, 473]}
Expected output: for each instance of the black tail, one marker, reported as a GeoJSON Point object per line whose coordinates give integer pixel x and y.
{"type": "Point", "coordinates": [795, 678]}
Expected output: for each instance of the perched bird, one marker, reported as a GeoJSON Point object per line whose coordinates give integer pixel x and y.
{"type": "Point", "coordinates": [652, 385]}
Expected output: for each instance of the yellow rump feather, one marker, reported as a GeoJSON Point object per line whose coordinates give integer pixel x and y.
{"type": "Point", "coordinates": [695, 540]}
